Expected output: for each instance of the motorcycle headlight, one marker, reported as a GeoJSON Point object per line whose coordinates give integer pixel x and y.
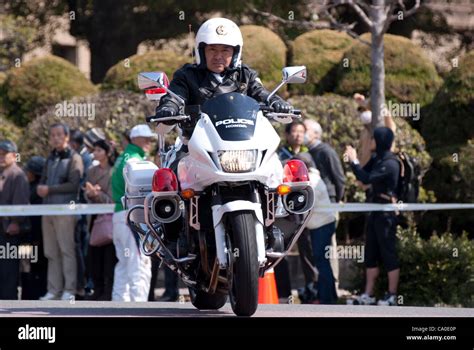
{"type": "Point", "coordinates": [238, 161]}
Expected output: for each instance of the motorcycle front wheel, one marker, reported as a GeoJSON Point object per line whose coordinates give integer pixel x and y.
{"type": "Point", "coordinates": [243, 293]}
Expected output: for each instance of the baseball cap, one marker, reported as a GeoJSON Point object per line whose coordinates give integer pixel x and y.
{"type": "Point", "coordinates": [141, 130]}
{"type": "Point", "coordinates": [8, 146]}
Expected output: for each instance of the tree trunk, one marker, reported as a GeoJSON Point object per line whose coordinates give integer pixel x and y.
{"type": "Point", "coordinates": [377, 71]}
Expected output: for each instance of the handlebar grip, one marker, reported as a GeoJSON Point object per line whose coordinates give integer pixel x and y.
{"type": "Point", "coordinates": [151, 119]}
{"type": "Point", "coordinates": [266, 108]}
{"type": "Point", "coordinates": [296, 111]}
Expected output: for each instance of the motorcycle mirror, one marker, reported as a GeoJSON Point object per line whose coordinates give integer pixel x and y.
{"type": "Point", "coordinates": [291, 75]}
{"type": "Point", "coordinates": [155, 94]}
{"type": "Point", "coordinates": [148, 80]}
{"type": "Point", "coordinates": [152, 80]}
{"type": "Point", "coordinates": [294, 74]}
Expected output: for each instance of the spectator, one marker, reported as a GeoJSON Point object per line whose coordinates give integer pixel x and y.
{"type": "Point", "coordinates": [81, 235]}
{"type": "Point", "coordinates": [59, 184]}
{"type": "Point", "coordinates": [133, 269]}
{"type": "Point", "coordinates": [330, 169]}
{"type": "Point", "coordinates": [76, 142]}
{"type": "Point", "coordinates": [382, 172]}
{"type": "Point", "coordinates": [294, 136]}
{"type": "Point", "coordinates": [365, 115]}
{"type": "Point", "coordinates": [98, 189]}
{"type": "Point", "coordinates": [14, 190]}
{"type": "Point", "coordinates": [327, 161]}
{"type": "Point", "coordinates": [322, 228]}
{"type": "Point", "coordinates": [91, 136]}
{"type": "Point", "coordinates": [33, 282]}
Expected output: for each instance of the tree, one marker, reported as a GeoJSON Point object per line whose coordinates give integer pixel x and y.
{"type": "Point", "coordinates": [115, 28]}
{"type": "Point", "coordinates": [377, 15]}
{"type": "Point", "coordinates": [24, 25]}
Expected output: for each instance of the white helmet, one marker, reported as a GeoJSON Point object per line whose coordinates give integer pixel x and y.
{"type": "Point", "coordinates": [218, 31]}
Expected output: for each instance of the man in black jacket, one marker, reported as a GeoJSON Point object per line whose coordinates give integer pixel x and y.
{"type": "Point", "coordinates": [218, 70]}
{"type": "Point", "coordinates": [14, 190]}
{"type": "Point", "coordinates": [327, 161]}
{"type": "Point", "coordinates": [382, 173]}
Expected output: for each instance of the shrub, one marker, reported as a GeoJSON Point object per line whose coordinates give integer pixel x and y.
{"type": "Point", "coordinates": [450, 116]}
{"type": "Point", "coordinates": [448, 127]}
{"type": "Point", "coordinates": [341, 126]}
{"type": "Point", "coordinates": [437, 271]}
{"type": "Point", "coordinates": [39, 83]}
{"type": "Point", "coordinates": [321, 52]}
{"type": "Point", "coordinates": [9, 131]}
{"type": "Point", "coordinates": [123, 75]}
{"type": "Point", "coordinates": [410, 77]}
{"type": "Point", "coordinates": [115, 111]}
{"type": "Point", "coordinates": [451, 179]}
{"type": "Point", "coordinates": [265, 52]}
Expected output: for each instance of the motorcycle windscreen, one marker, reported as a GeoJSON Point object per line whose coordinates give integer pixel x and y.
{"type": "Point", "coordinates": [234, 115]}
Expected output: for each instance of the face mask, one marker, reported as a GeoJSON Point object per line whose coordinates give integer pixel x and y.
{"type": "Point", "coordinates": [306, 140]}
{"type": "Point", "coordinates": [366, 117]}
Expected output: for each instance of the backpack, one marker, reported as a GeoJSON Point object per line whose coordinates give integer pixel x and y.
{"type": "Point", "coordinates": [409, 179]}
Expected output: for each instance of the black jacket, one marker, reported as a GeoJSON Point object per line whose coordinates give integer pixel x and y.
{"type": "Point", "coordinates": [383, 169]}
{"type": "Point", "coordinates": [196, 85]}
{"type": "Point", "coordinates": [330, 168]}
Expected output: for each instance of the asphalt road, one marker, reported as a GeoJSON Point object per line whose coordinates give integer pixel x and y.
{"type": "Point", "coordinates": [185, 309]}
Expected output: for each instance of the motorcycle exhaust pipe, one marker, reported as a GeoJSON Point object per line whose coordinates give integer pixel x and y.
{"type": "Point", "coordinates": [300, 200]}
{"type": "Point", "coordinates": [166, 208]}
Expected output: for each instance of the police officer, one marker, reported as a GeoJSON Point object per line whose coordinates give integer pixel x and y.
{"type": "Point", "coordinates": [218, 70]}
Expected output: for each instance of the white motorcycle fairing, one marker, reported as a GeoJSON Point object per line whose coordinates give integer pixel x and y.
{"type": "Point", "coordinates": [201, 168]}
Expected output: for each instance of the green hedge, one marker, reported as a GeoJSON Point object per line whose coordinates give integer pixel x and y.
{"type": "Point", "coordinates": [437, 271]}
{"type": "Point", "coordinates": [39, 83]}
{"type": "Point", "coordinates": [265, 52]}
{"type": "Point", "coordinates": [409, 75]}
{"type": "Point", "coordinates": [451, 179]}
{"type": "Point", "coordinates": [450, 116]}
{"type": "Point", "coordinates": [123, 75]}
{"type": "Point", "coordinates": [115, 111]}
{"type": "Point", "coordinates": [321, 52]}
{"type": "Point", "coordinates": [341, 125]}
{"type": "Point", "coordinates": [448, 127]}
{"type": "Point", "coordinates": [9, 131]}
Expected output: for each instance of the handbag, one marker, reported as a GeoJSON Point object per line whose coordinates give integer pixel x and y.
{"type": "Point", "coordinates": [101, 233]}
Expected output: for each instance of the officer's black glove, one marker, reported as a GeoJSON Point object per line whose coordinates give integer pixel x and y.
{"type": "Point", "coordinates": [165, 112]}
{"type": "Point", "coordinates": [280, 106]}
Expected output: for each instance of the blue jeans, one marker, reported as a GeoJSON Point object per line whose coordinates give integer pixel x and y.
{"type": "Point", "coordinates": [321, 240]}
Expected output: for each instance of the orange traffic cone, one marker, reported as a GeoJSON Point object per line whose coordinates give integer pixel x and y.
{"type": "Point", "coordinates": [267, 291]}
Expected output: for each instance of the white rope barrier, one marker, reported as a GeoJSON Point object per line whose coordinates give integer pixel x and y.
{"type": "Point", "coordinates": [82, 209]}
{"type": "Point", "coordinates": [365, 207]}
{"type": "Point", "coordinates": [55, 209]}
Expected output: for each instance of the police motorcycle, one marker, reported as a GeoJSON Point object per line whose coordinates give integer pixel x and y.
{"type": "Point", "coordinates": [238, 210]}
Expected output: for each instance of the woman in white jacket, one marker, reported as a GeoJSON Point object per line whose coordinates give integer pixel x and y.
{"type": "Point", "coordinates": [322, 226]}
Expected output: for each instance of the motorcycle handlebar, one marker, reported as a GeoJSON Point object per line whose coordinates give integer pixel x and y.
{"type": "Point", "coordinates": [295, 113]}
{"type": "Point", "coordinates": [268, 109]}
{"type": "Point", "coordinates": [176, 118]}
{"type": "Point", "coordinates": [284, 115]}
